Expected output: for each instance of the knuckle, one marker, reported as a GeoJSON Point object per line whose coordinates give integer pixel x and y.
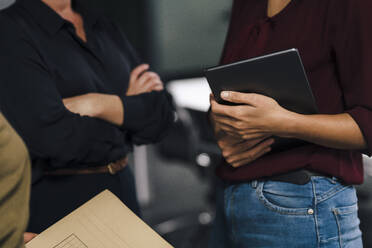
{"type": "Point", "coordinates": [250, 157]}
{"type": "Point", "coordinates": [235, 111]}
{"type": "Point", "coordinates": [239, 111]}
{"type": "Point", "coordinates": [133, 74]}
{"type": "Point", "coordinates": [254, 97]}
{"type": "Point", "coordinates": [235, 124]}
{"type": "Point", "coordinates": [137, 70]}
{"type": "Point", "coordinates": [146, 75]}
{"type": "Point", "coordinates": [241, 133]}
{"type": "Point", "coordinates": [239, 164]}
{"type": "Point", "coordinates": [235, 165]}
{"type": "Point", "coordinates": [225, 153]}
{"type": "Point", "coordinates": [213, 108]}
{"type": "Point", "coordinates": [156, 75]}
{"type": "Point", "coordinates": [150, 82]}
{"type": "Point", "coordinates": [239, 124]}
{"type": "Point", "coordinates": [152, 74]}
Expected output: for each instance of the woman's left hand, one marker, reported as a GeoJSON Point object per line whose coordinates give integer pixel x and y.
{"type": "Point", "coordinates": [257, 115]}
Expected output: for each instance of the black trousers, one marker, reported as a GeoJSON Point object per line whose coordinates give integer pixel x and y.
{"type": "Point", "coordinates": [54, 197]}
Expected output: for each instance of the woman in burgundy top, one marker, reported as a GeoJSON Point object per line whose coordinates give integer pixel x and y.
{"type": "Point", "coordinates": [334, 40]}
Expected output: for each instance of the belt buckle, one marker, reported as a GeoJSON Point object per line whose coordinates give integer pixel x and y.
{"type": "Point", "coordinates": [110, 168]}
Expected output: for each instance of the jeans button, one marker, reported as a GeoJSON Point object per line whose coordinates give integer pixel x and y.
{"type": "Point", "coordinates": [310, 211]}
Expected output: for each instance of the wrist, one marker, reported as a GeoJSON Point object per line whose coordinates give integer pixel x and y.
{"type": "Point", "coordinates": [110, 108]}
{"type": "Point", "coordinates": [287, 126]}
{"type": "Point", "coordinates": [97, 103]}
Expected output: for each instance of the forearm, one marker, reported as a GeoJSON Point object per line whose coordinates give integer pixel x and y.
{"type": "Point", "coordinates": [110, 108]}
{"type": "Point", "coordinates": [335, 131]}
{"type": "Point", "coordinates": [102, 106]}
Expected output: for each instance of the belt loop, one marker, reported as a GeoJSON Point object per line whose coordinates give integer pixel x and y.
{"type": "Point", "coordinates": [334, 180]}
{"type": "Point", "coordinates": [254, 184]}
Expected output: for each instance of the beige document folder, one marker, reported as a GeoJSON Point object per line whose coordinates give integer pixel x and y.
{"type": "Point", "coordinates": [102, 222]}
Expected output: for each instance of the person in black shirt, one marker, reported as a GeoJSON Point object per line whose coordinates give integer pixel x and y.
{"type": "Point", "coordinates": [75, 90]}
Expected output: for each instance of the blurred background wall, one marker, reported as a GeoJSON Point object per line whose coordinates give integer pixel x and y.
{"type": "Point", "coordinates": [175, 179]}
{"type": "Point", "coordinates": [177, 37]}
{"type": "Point", "coordinates": [5, 3]}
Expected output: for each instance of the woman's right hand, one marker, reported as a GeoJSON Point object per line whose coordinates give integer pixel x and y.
{"type": "Point", "coordinates": [236, 150]}
{"type": "Point", "coordinates": [238, 153]}
{"type": "Point", "coordinates": [143, 81]}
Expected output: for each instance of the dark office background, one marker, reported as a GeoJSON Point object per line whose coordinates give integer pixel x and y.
{"type": "Point", "coordinates": [179, 39]}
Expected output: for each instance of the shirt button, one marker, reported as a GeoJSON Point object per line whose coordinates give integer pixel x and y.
{"type": "Point", "coordinates": [310, 211]}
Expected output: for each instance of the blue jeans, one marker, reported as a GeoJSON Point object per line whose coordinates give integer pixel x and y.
{"type": "Point", "coordinates": [263, 214]}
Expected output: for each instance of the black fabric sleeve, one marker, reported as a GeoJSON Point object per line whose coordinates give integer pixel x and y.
{"type": "Point", "coordinates": [147, 117]}
{"type": "Point", "coordinates": [32, 104]}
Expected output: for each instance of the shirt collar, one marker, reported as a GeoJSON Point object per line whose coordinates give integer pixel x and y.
{"type": "Point", "coordinates": [90, 17]}
{"type": "Point", "coordinates": [47, 18]}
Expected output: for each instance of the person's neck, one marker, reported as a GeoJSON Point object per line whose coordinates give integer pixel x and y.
{"type": "Point", "coordinates": [274, 7]}
{"type": "Point", "coordinates": [62, 7]}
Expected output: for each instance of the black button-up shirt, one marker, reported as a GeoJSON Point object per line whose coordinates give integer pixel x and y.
{"type": "Point", "coordinates": [42, 61]}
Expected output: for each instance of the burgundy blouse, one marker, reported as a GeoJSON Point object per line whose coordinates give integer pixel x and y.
{"type": "Point", "coordinates": [334, 38]}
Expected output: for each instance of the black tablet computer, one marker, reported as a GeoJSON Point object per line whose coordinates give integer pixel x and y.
{"type": "Point", "coordinates": [278, 75]}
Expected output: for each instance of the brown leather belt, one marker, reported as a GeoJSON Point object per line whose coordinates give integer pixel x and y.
{"type": "Point", "coordinates": [111, 168]}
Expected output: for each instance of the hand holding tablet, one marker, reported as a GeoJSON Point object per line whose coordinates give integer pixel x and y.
{"type": "Point", "coordinates": [278, 79]}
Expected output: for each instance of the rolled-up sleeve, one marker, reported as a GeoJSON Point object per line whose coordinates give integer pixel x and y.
{"type": "Point", "coordinates": [31, 102]}
{"type": "Point", "coordinates": [149, 116]}
{"type": "Point", "coordinates": [353, 53]}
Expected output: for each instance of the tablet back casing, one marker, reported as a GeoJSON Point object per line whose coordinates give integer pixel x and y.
{"type": "Point", "coordinates": [279, 75]}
